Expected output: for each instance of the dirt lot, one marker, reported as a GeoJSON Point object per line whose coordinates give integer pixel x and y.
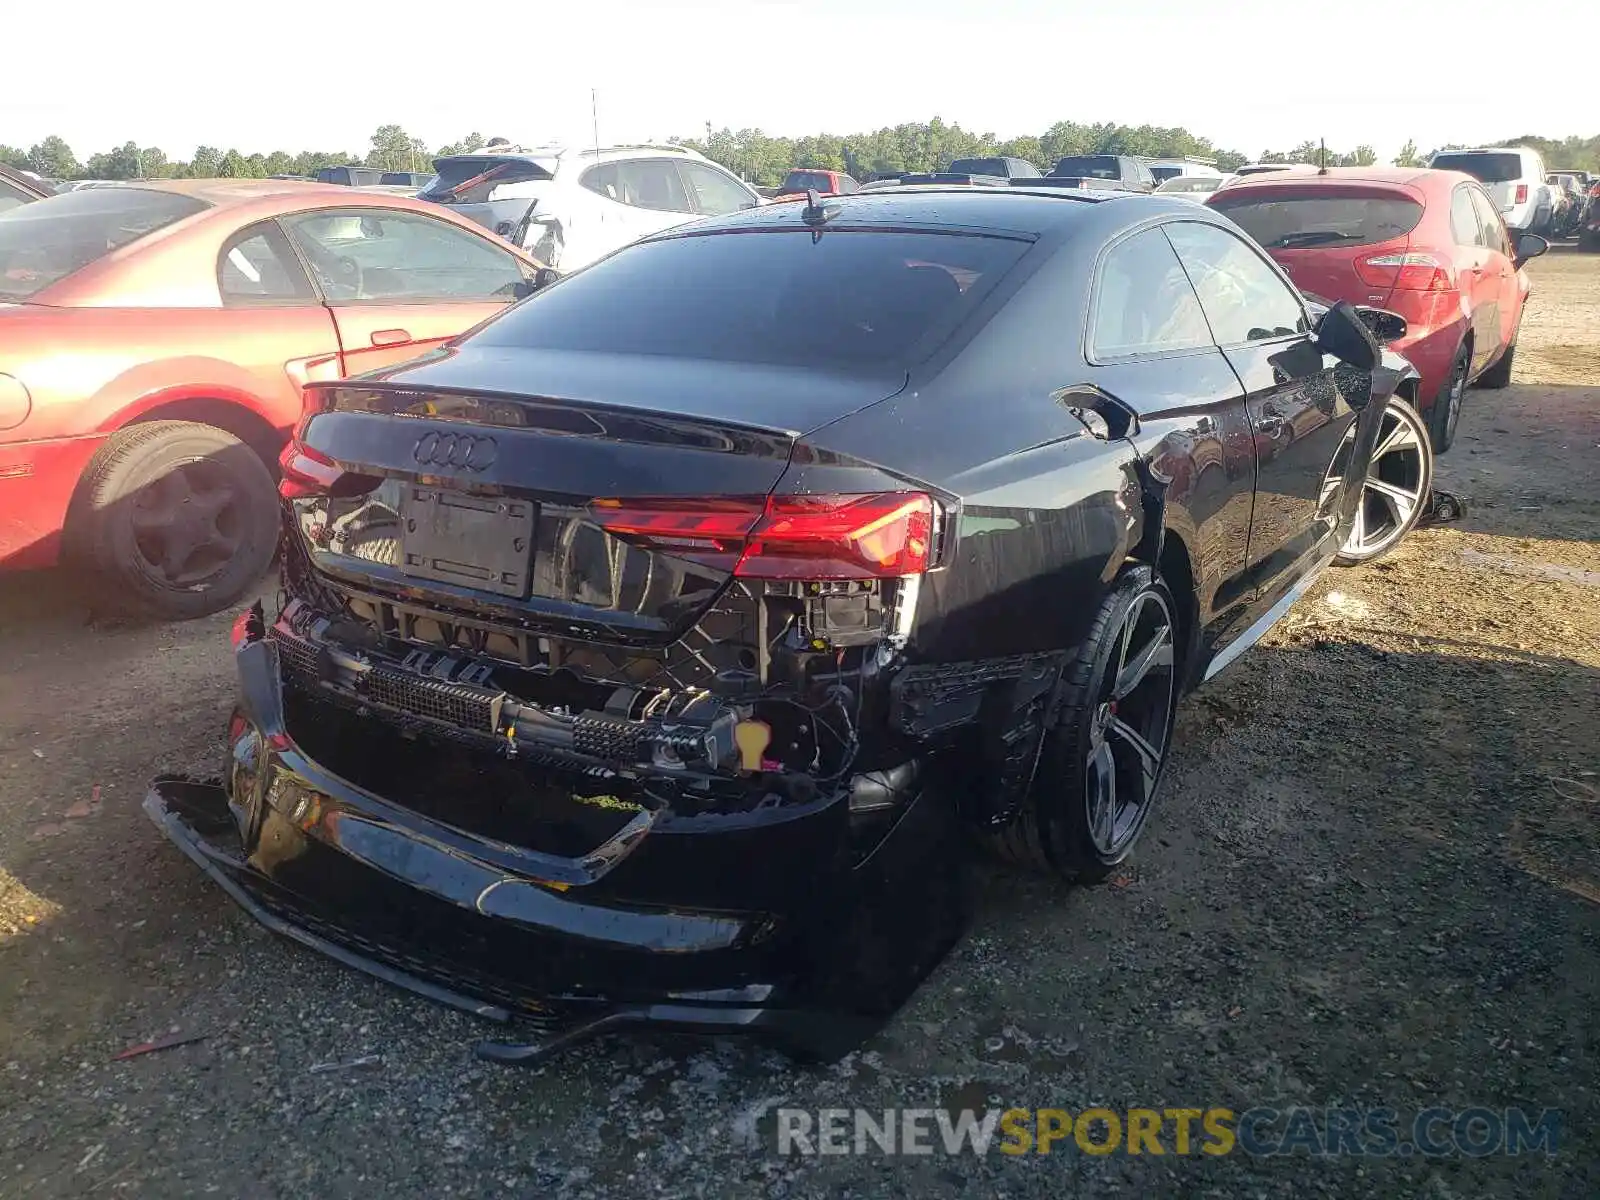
{"type": "Point", "coordinates": [1375, 880]}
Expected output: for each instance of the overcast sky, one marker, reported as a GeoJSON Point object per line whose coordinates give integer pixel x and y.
{"type": "Point", "coordinates": [1248, 74]}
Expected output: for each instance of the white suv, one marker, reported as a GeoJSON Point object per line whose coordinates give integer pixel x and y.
{"type": "Point", "coordinates": [1514, 178]}
{"type": "Point", "coordinates": [569, 206]}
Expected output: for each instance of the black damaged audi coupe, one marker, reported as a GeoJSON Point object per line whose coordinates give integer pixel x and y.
{"type": "Point", "coordinates": [650, 654]}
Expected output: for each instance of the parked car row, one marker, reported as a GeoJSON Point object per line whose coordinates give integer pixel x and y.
{"type": "Point", "coordinates": [749, 572]}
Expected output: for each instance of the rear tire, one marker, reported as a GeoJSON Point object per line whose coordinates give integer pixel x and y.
{"type": "Point", "coordinates": [1112, 718]}
{"type": "Point", "coordinates": [1499, 375]}
{"type": "Point", "coordinates": [180, 519]}
{"type": "Point", "coordinates": [1446, 412]}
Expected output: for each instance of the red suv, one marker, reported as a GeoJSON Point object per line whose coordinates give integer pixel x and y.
{"type": "Point", "coordinates": [1428, 245]}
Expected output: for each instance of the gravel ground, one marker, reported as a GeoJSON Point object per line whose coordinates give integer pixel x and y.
{"type": "Point", "coordinates": [1374, 880]}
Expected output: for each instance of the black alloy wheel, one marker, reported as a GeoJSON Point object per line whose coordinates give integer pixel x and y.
{"type": "Point", "coordinates": [1103, 758]}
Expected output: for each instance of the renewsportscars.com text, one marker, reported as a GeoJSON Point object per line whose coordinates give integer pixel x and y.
{"type": "Point", "coordinates": [1259, 1132]}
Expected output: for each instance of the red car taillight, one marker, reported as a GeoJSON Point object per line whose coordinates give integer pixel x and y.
{"type": "Point", "coordinates": [1522, 194]}
{"type": "Point", "coordinates": [1405, 272]}
{"type": "Point", "coordinates": [881, 536]}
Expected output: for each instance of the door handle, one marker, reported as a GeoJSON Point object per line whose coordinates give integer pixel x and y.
{"type": "Point", "coordinates": [390, 337]}
{"type": "Point", "coordinates": [1271, 424]}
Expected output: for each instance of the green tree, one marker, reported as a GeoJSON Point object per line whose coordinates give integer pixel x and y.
{"type": "Point", "coordinates": [15, 157]}
{"type": "Point", "coordinates": [206, 163]}
{"type": "Point", "coordinates": [1408, 156]}
{"type": "Point", "coordinates": [393, 149]}
{"type": "Point", "coordinates": [233, 166]}
{"type": "Point", "coordinates": [278, 163]}
{"type": "Point", "coordinates": [122, 163]}
{"type": "Point", "coordinates": [54, 159]}
{"type": "Point", "coordinates": [470, 144]}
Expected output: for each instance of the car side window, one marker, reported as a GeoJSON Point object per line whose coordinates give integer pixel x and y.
{"type": "Point", "coordinates": [1492, 230]}
{"type": "Point", "coordinates": [1143, 303]}
{"type": "Point", "coordinates": [602, 181]}
{"type": "Point", "coordinates": [1243, 298]}
{"type": "Point", "coordinates": [1465, 224]}
{"type": "Point", "coordinates": [713, 191]}
{"type": "Point", "coordinates": [393, 257]}
{"type": "Point", "coordinates": [653, 183]}
{"type": "Point", "coordinates": [258, 266]}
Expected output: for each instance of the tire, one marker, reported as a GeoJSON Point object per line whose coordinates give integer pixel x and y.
{"type": "Point", "coordinates": [1054, 830]}
{"type": "Point", "coordinates": [1499, 375]}
{"type": "Point", "coordinates": [1446, 412]}
{"type": "Point", "coordinates": [154, 488]}
{"type": "Point", "coordinates": [1402, 461]}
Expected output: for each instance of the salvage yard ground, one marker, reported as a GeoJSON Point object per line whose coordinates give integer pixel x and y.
{"type": "Point", "coordinates": [1374, 880]}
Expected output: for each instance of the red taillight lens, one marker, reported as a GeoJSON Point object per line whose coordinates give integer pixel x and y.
{"type": "Point", "coordinates": [880, 536]}
{"type": "Point", "coordinates": [1522, 194]}
{"type": "Point", "coordinates": [306, 472]}
{"type": "Point", "coordinates": [1406, 272]}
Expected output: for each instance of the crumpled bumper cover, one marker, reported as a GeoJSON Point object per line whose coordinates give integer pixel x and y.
{"type": "Point", "coordinates": [563, 948]}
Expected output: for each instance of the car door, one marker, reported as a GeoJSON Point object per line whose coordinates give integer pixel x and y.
{"type": "Point", "coordinates": [1149, 346]}
{"type": "Point", "coordinates": [398, 282]}
{"type": "Point", "coordinates": [1477, 277]}
{"type": "Point", "coordinates": [1297, 414]}
{"type": "Point", "coordinates": [715, 192]}
{"type": "Point", "coordinates": [273, 324]}
{"type": "Point", "coordinates": [1510, 288]}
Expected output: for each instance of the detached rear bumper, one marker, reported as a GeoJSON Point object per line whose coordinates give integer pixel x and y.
{"type": "Point", "coordinates": [797, 926]}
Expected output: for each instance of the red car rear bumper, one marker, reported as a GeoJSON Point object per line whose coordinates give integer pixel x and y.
{"type": "Point", "coordinates": [37, 480]}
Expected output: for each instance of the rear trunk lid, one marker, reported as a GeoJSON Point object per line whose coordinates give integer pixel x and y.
{"type": "Point", "coordinates": [495, 191]}
{"type": "Point", "coordinates": [1327, 236]}
{"type": "Point", "coordinates": [499, 499]}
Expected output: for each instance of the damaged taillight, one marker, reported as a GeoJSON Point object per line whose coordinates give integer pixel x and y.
{"type": "Point", "coordinates": [878, 536]}
{"type": "Point", "coordinates": [305, 473]}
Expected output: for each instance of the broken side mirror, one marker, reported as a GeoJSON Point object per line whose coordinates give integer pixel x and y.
{"type": "Point", "coordinates": [1387, 327]}
{"type": "Point", "coordinates": [1343, 334]}
{"type": "Point", "coordinates": [1530, 245]}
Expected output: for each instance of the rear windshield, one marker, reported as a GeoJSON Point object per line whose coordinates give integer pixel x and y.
{"type": "Point", "coordinates": [1089, 166]}
{"type": "Point", "coordinates": [471, 180]}
{"type": "Point", "coordinates": [799, 181]}
{"type": "Point", "coordinates": [1280, 222]}
{"type": "Point", "coordinates": [1190, 183]}
{"type": "Point", "coordinates": [980, 166]}
{"type": "Point", "coordinates": [43, 243]}
{"type": "Point", "coordinates": [1486, 168]}
{"type": "Point", "coordinates": [840, 300]}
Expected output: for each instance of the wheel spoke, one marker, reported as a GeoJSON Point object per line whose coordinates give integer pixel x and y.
{"type": "Point", "coordinates": [1402, 437]}
{"type": "Point", "coordinates": [176, 551]}
{"type": "Point", "coordinates": [1157, 654]}
{"type": "Point", "coordinates": [1149, 756]}
{"type": "Point", "coordinates": [1103, 794]}
{"type": "Point", "coordinates": [1400, 502]}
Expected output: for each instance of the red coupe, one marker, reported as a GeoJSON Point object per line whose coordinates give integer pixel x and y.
{"type": "Point", "coordinates": [1428, 245]}
{"type": "Point", "coordinates": [154, 339]}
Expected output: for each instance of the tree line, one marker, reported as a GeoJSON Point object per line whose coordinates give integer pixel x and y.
{"type": "Point", "coordinates": [755, 156]}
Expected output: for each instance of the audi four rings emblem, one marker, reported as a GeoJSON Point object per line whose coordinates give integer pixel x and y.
{"type": "Point", "coordinates": [455, 450]}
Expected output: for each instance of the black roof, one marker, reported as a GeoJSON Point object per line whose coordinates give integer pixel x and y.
{"type": "Point", "coordinates": [1022, 210]}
